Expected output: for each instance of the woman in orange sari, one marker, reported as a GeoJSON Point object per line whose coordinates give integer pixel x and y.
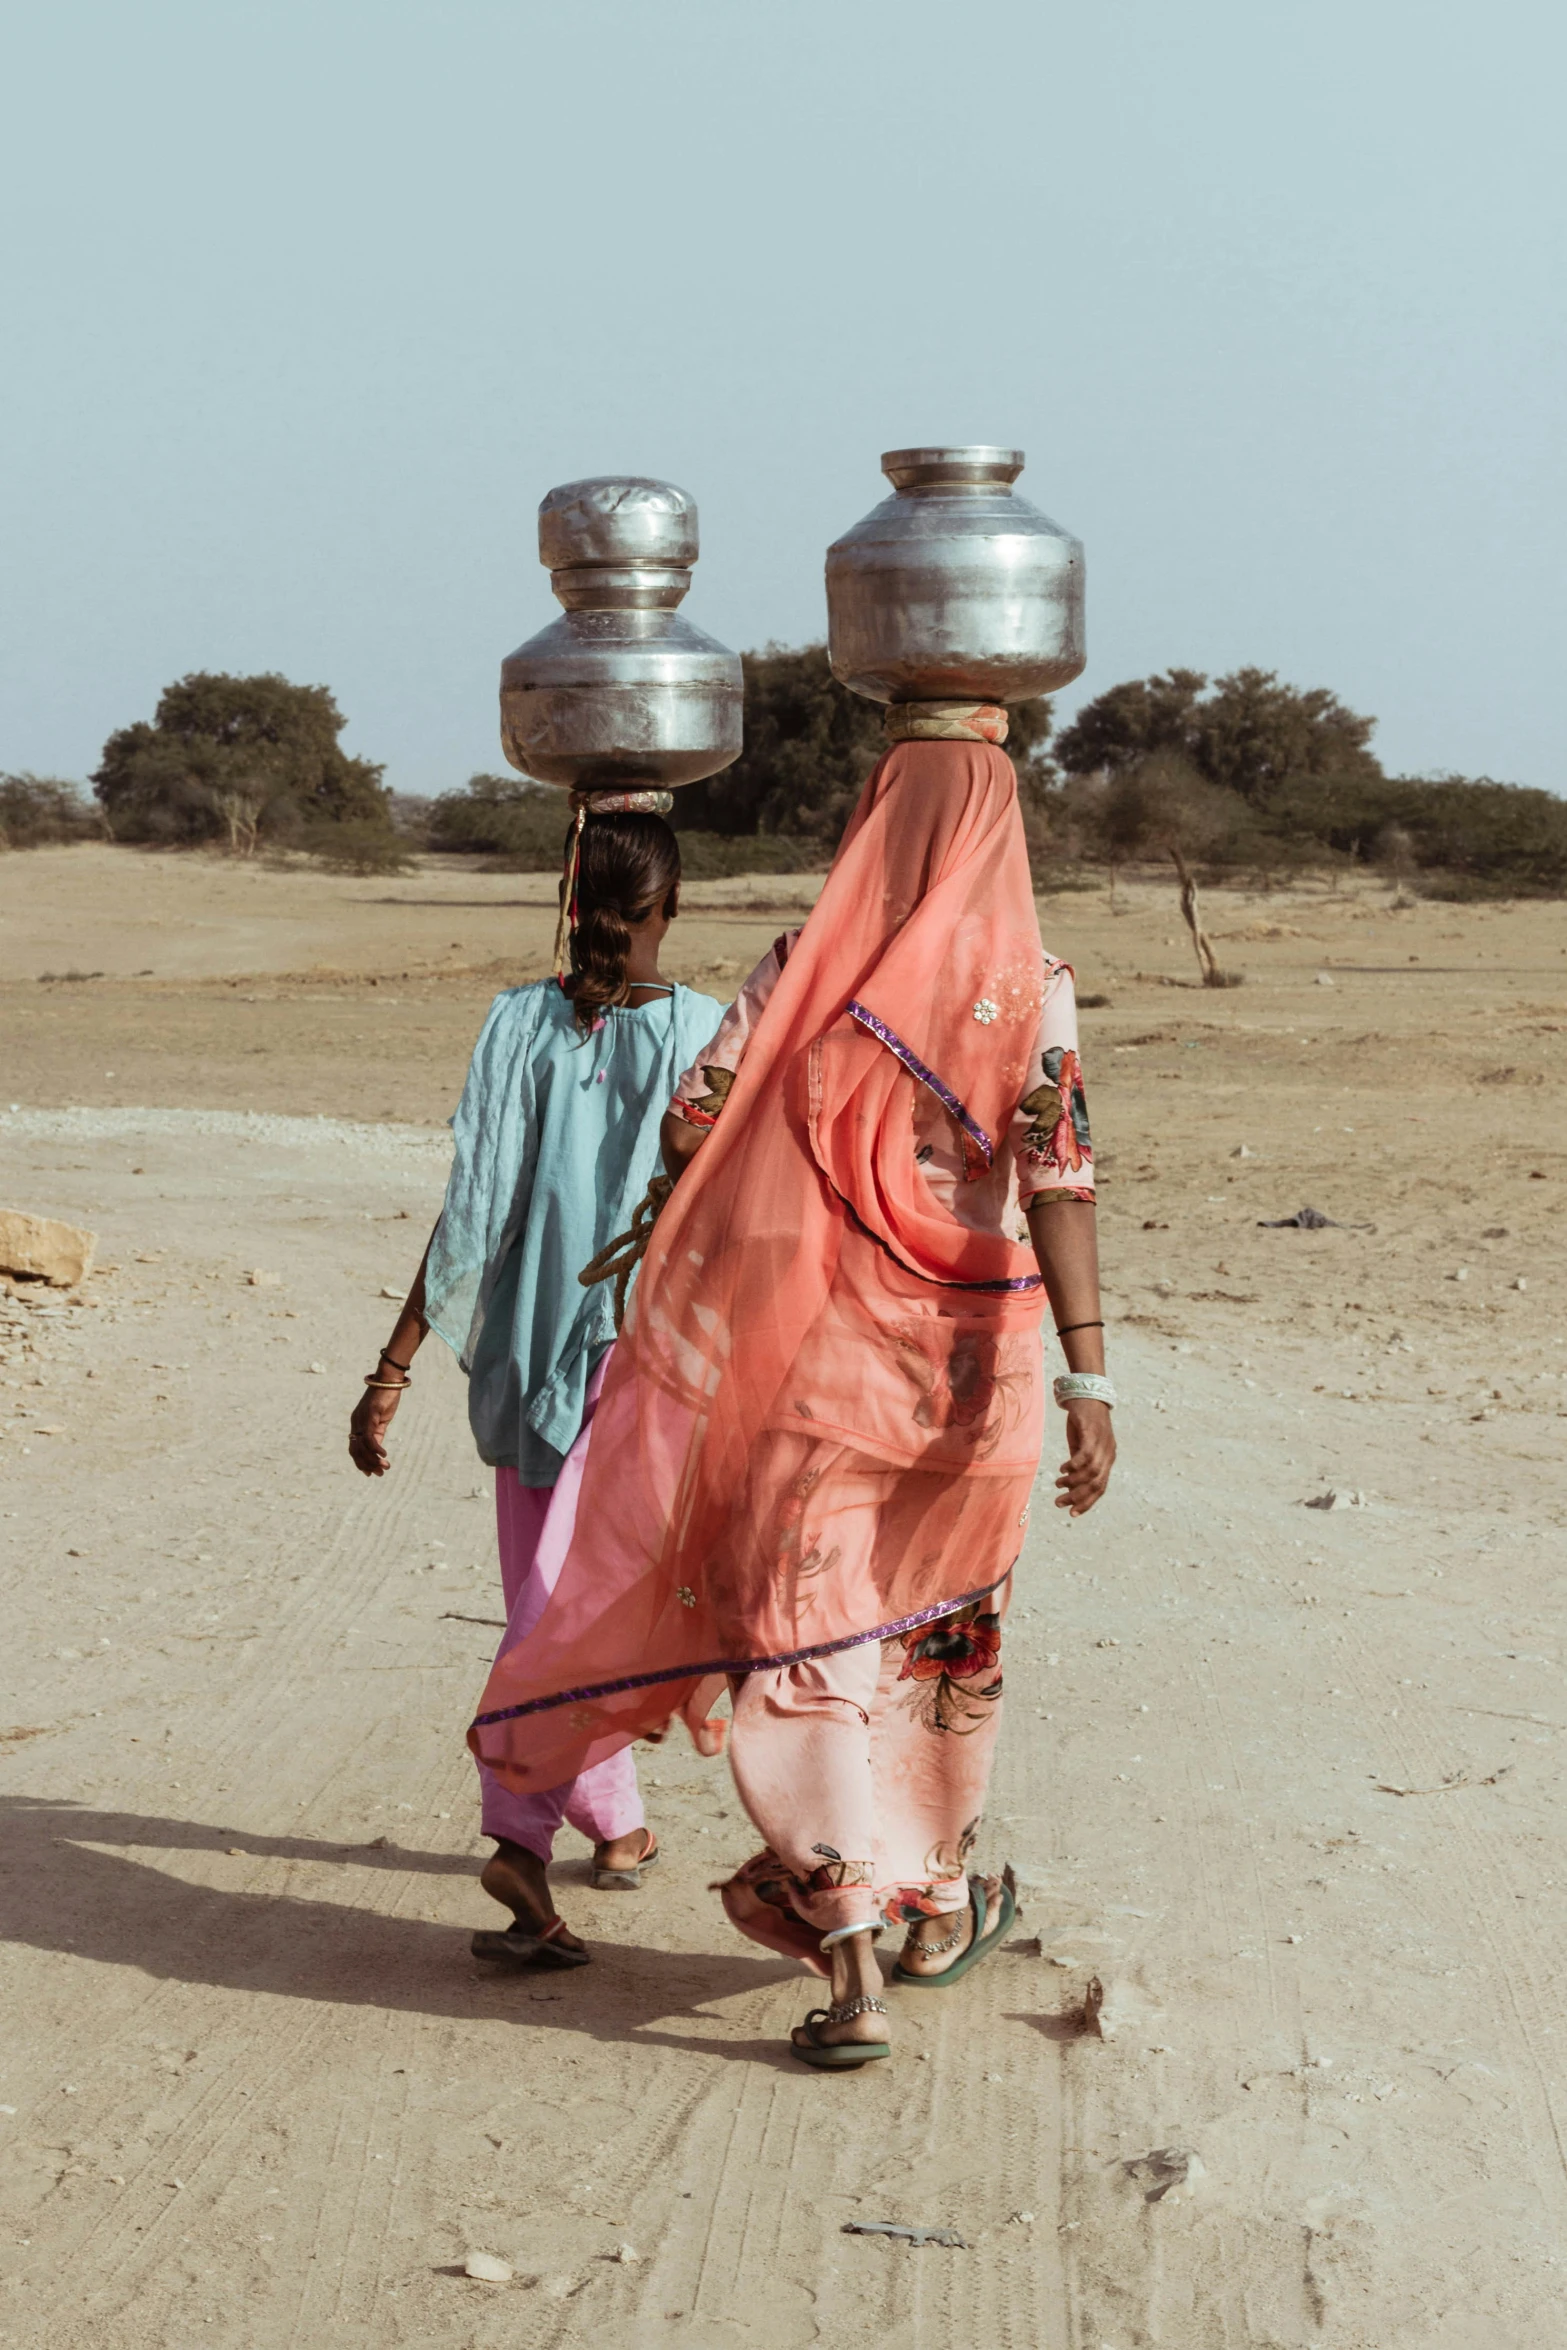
{"type": "Point", "coordinates": [813, 1458]}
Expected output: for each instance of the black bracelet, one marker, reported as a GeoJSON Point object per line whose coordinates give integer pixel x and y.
{"type": "Point", "coordinates": [1071, 1326]}
{"type": "Point", "coordinates": [385, 1357]}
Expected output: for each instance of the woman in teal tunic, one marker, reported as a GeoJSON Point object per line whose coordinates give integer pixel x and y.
{"type": "Point", "coordinates": [557, 1137]}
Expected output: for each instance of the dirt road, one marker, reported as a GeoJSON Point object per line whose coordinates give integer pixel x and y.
{"type": "Point", "coordinates": [255, 2093]}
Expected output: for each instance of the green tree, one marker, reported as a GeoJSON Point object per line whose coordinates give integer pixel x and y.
{"type": "Point", "coordinates": [503, 816]}
{"type": "Point", "coordinates": [1500, 839]}
{"type": "Point", "coordinates": [1250, 735]}
{"type": "Point", "coordinates": [38, 810]}
{"type": "Point", "coordinates": [236, 759]}
{"type": "Point", "coordinates": [1129, 722]}
{"type": "Point", "coordinates": [809, 745]}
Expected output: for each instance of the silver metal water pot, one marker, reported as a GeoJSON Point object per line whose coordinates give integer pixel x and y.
{"type": "Point", "coordinates": [620, 690]}
{"type": "Point", "coordinates": [954, 588]}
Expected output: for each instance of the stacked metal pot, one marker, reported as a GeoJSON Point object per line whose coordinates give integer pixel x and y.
{"type": "Point", "coordinates": [620, 692]}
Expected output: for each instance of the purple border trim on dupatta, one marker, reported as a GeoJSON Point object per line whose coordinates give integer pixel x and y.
{"type": "Point", "coordinates": [916, 1068]}
{"type": "Point", "coordinates": [751, 1664]}
{"type": "Point", "coordinates": [971, 1127]}
{"type": "Point", "coordinates": [1014, 1285]}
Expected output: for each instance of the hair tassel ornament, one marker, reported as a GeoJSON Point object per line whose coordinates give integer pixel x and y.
{"type": "Point", "coordinates": [586, 804]}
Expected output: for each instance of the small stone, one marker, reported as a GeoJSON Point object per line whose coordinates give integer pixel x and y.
{"type": "Point", "coordinates": [1326, 979]}
{"type": "Point", "coordinates": [625, 2253]}
{"type": "Point", "coordinates": [1520, 1283]}
{"type": "Point", "coordinates": [1022, 2219]}
{"type": "Point", "coordinates": [486, 2269]}
{"type": "Point", "coordinates": [319, 1368]}
{"type": "Point", "coordinates": [260, 1280]}
{"type": "Point", "coordinates": [1244, 1152]}
{"type": "Point", "coordinates": [399, 1294]}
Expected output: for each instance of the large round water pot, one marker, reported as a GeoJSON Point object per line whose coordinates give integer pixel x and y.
{"type": "Point", "coordinates": [955, 588]}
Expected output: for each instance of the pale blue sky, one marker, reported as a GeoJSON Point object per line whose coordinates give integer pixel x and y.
{"type": "Point", "coordinates": [306, 305]}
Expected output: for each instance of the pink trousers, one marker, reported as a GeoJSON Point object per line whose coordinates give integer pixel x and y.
{"type": "Point", "coordinates": [533, 1525]}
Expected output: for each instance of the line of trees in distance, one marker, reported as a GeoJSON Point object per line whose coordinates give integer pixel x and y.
{"type": "Point", "coordinates": [1238, 776]}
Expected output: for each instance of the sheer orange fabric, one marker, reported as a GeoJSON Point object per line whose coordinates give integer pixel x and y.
{"type": "Point", "coordinates": [809, 1311]}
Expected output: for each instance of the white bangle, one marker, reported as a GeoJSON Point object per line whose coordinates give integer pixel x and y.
{"type": "Point", "coordinates": [842, 1933]}
{"type": "Point", "coordinates": [1083, 1387]}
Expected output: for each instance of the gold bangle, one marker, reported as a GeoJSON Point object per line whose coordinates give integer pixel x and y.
{"type": "Point", "coordinates": [394, 1386]}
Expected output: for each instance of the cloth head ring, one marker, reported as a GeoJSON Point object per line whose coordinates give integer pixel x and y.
{"type": "Point", "coordinates": [945, 722]}
{"type": "Point", "coordinates": [623, 803]}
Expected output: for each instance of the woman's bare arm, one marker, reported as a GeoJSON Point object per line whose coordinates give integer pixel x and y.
{"type": "Point", "coordinates": [1066, 1248]}
{"type": "Point", "coordinates": [680, 1141]}
{"type": "Point", "coordinates": [372, 1414]}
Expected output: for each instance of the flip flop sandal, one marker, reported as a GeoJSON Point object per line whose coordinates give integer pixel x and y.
{"type": "Point", "coordinates": [517, 1947]}
{"type": "Point", "coordinates": [843, 2056]}
{"type": "Point", "coordinates": [981, 1946]}
{"type": "Point", "coordinates": [627, 1880]}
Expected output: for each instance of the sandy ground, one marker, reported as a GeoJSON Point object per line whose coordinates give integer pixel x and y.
{"type": "Point", "coordinates": [1287, 1780]}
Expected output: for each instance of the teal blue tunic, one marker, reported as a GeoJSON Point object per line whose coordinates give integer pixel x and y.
{"type": "Point", "coordinates": [557, 1139]}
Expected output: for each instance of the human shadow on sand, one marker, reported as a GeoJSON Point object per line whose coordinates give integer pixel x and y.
{"type": "Point", "coordinates": [59, 1893]}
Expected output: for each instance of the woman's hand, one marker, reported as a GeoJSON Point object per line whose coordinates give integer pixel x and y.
{"type": "Point", "coordinates": [372, 1416]}
{"type": "Point", "coordinates": [1086, 1473]}
{"type": "Point", "coordinates": [679, 1141]}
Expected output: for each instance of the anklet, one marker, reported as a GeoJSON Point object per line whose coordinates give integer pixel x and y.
{"type": "Point", "coordinates": [934, 1949]}
{"type": "Point", "coordinates": [865, 2004]}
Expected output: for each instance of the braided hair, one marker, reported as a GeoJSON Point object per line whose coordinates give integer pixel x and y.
{"type": "Point", "coordinates": [628, 867]}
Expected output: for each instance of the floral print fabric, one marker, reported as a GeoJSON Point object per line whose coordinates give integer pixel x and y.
{"type": "Point", "coordinates": [866, 1775]}
{"type": "Point", "coordinates": [1049, 1149]}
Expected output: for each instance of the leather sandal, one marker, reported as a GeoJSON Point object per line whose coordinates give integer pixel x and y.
{"type": "Point", "coordinates": [518, 1947]}
{"type": "Point", "coordinates": [625, 1880]}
